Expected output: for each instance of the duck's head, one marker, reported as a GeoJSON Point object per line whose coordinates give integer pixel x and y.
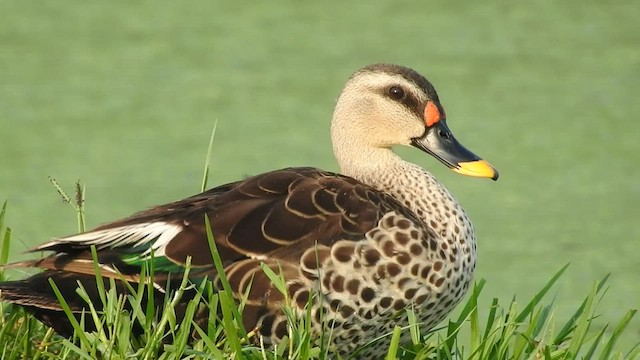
{"type": "Point", "coordinates": [384, 105]}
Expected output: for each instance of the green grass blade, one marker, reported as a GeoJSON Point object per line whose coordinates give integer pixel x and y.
{"type": "Point", "coordinates": [3, 214]}
{"type": "Point", "coordinates": [634, 353]}
{"type": "Point", "coordinates": [231, 330]}
{"type": "Point", "coordinates": [414, 326]}
{"type": "Point", "coordinates": [474, 321]}
{"type": "Point", "coordinates": [67, 310]}
{"type": "Point", "coordinates": [582, 325]}
{"type": "Point", "coordinates": [455, 326]}
{"type": "Point", "coordinates": [4, 250]}
{"type": "Point", "coordinates": [210, 346]}
{"type": "Point", "coordinates": [595, 343]}
{"type": "Point", "coordinates": [6, 238]}
{"type": "Point", "coordinates": [491, 317]}
{"type": "Point", "coordinates": [570, 324]}
{"type": "Point", "coordinates": [207, 162]}
{"type": "Point", "coordinates": [96, 318]}
{"type": "Point", "coordinates": [395, 344]}
{"type": "Point", "coordinates": [217, 261]}
{"type": "Point", "coordinates": [276, 279]}
{"type": "Point", "coordinates": [77, 350]}
{"type": "Point", "coordinates": [98, 273]}
{"type": "Point", "coordinates": [617, 331]}
{"type": "Point", "coordinates": [168, 313]}
{"type": "Point", "coordinates": [538, 297]}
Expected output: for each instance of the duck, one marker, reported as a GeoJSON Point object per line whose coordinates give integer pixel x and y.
{"type": "Point", "coordinates": [354, 248]}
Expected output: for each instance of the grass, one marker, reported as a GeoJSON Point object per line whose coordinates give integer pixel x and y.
{"type": "Point", "coordinates": [123, 96]}
{"type": "Point", "coordinates": [513, 331]}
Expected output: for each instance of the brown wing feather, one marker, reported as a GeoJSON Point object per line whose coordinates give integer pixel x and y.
{"type": "Point", "coordinates": [273, 218]}
{"type": "Point", "coordinates": [279, 213]}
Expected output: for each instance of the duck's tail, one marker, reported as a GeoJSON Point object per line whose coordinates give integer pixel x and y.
{"type": "Point", "coordinates": [36, 295]}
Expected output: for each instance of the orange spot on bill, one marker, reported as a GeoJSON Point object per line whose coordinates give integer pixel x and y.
{"type": "Point", "coordinates": [431, 114]}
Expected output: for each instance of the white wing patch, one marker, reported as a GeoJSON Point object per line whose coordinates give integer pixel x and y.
{"type": "Point", "coordinates": [157, 234]}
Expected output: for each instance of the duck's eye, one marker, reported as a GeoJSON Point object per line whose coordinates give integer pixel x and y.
{"type": "Point", "coordinates": [396, 92]}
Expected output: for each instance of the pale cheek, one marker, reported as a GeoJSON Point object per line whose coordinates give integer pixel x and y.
{"type": "Point", "coordinates": [417, 129]}
{"type": "Point", "coordinates": [408, 130]}
{"type": "Point", "coordinates": [403, 136]}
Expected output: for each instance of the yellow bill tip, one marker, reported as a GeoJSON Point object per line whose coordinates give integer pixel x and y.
{"type": "Point", "coordinates": [477, 168]}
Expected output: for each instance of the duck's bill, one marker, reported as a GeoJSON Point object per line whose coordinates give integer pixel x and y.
{"type": "Point", "coordinates": [477, 168]}
{"type": "Point", "coordinates": [439, 142]}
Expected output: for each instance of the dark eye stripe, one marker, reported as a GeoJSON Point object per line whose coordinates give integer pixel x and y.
{"type": "Point", "coordinates": [414, 105]}
{"type": "Point", "coordinates": [410, 102]}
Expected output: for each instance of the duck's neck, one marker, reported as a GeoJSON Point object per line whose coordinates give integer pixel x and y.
{"type": "Point", "coordinates": [413, 186]}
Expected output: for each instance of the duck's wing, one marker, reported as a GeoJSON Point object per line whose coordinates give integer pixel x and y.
{"type": "Point", "coordinates": [275, 215]}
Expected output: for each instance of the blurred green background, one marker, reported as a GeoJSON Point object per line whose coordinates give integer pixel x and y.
{"type": "Point", "coordinates": [123, 95]}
